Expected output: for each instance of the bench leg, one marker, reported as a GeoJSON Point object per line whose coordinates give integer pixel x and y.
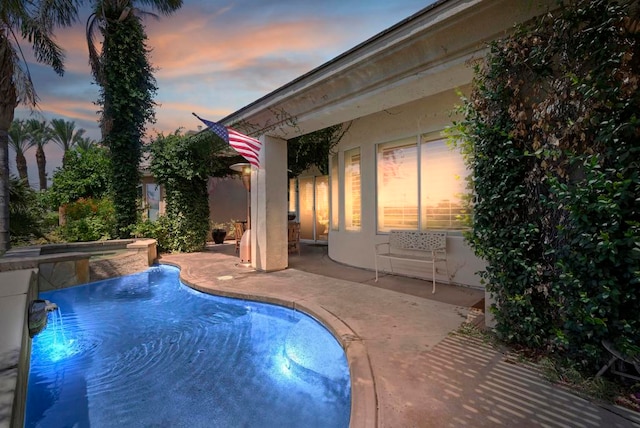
{"type": "Point", "coordinates": [433, 277]}
{"type": "Point", "coordinates": [375, 260]}
{"type": "Point", "coordinates": [605, 367]}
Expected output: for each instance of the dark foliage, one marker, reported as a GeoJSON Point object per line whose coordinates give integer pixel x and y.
{"type": "Point", "coordinates": [183, 165]}
{"type": "Point", "coordinates": [313, 149]}
{"type": "Point", "coordinates": [85, 174]}
{"type": "Point", "coordinates": [126, 97]}
{"type": "Point", "coordinates": [552, 135]}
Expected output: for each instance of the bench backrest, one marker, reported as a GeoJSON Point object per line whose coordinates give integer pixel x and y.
{"type": "Point", "coordinates": [418, 240]}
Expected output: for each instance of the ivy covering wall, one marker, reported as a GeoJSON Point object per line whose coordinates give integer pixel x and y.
{"type": "Point", "coordinates": [182, 164]}
{"type": "Point", "coordinates": [552, 135]}
{"type": "Point", "coordinates": [126, 97]}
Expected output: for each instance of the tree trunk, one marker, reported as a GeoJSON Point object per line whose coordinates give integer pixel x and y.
{"type": "Point", "coordinates": [62, 215]}
{"type": "Point", "coordinates": [8, 103]}
{"type": "Point", "coordinates": [21, 166]}
{"type": "Point", "coordinates": [42, 167]}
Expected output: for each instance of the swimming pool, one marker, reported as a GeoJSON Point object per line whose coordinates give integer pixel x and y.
{"type": "Point", "coordinates": [145, 350]}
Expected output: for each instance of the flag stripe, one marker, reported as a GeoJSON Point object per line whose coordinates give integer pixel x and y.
{"type": "Point", "coordinates": [248, 147]}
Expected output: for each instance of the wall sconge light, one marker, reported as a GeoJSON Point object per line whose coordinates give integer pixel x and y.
{"type": "Point", "coordinates": [245, 171]}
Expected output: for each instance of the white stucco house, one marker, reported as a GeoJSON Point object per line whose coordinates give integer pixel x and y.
{"type": "Point", "coordinates": [392, 169]}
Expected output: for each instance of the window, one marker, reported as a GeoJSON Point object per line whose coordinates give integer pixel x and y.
{"type": "Point", "coordinates": [420, 187]}
{"type": "Point", "coordinates": [321, 200]}
{"type": "Point", "coordinates": [153, 201]}
{"type": "Point", "coordinates": [293, 195]}
{"type": "Point", "coordinates": [442, 186]}
{"type": "Point", "coordinates": [397, 185]}
{"type": "Point", "coordinates": [335, 196]}
{"type": "Point", "coordinates": [352, 190]}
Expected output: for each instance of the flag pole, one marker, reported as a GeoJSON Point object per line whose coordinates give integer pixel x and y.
{"type": "Point", "coordinates": [202, 130]}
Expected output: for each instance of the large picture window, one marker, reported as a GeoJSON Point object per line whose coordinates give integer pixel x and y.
{"type": "Point", "coordinates": [397, 164]}
{"type": "Point", "coordinates": [420, 186]}
{"type": "Point", "coordinates": [442, 185]}
{"type": "Point", "coordinates": [352, 190]}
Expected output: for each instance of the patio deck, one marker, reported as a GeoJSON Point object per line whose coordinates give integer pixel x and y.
{"type": "Point", "coordinates": [408, 367]}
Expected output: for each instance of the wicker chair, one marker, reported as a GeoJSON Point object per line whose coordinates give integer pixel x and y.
{"type": "Point", "coordinates": [239, 229]}
{"type": "Point", "coordinates": [293, 236]}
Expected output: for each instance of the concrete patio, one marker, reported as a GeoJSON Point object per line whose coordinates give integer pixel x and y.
{"type": "Point", "coordinates": [409, 367]}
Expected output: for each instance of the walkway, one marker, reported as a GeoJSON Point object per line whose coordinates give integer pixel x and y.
{"type": "Point", "coordinates": [408, 367]}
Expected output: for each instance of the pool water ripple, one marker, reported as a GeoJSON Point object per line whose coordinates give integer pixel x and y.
{"type": "Point", "coordinates": [145, 350]}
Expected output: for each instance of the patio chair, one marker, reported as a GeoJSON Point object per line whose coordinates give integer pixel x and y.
{"type": "Point", "coordinates": [239, 229]}
{"type": "Point", "coordinates": [293, 238]}
{"type": "Point", "coordinates": [620, 359]}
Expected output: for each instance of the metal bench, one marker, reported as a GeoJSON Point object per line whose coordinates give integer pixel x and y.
{"type": "Point", "coordinates": [620, 358]}
{"type": "Point", "coordinates": [427, 247]}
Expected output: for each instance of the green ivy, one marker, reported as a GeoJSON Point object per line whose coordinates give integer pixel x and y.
{"type": "Point", "coordinates": [126, 98]}
{"type": "Point", "coordinates": [313, 149]}
{"type": "Point", "coordinates": [183, 165]}
{"type": "Point", "coordinates": [551, 134]}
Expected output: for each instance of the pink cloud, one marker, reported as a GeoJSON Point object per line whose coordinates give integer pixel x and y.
{"type": "Point", "coordinates": [201, 46]}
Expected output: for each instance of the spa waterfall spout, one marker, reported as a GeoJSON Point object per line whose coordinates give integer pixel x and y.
{"type": "Point", "coordinates": [38, 311]}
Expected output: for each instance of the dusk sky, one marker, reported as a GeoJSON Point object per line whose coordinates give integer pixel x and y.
{"type": "Point", "coordinates": [212, 58]}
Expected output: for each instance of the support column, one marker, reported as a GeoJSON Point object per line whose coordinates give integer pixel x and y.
{"type": "Point", "coordinates": [269, 207]}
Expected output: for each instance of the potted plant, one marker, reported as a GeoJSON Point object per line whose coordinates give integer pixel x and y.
{"type": "Point", "coordinates": [218, 232]}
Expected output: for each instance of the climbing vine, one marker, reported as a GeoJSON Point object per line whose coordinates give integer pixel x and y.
{"type": "Point", "coordinates": [126, 97]}
{"type": "Point", "coordinates": [313, 149]}
{"type": "Point", "coordinates": [182, 164]}
{"type": "Point", "coordinates": [552, 135]}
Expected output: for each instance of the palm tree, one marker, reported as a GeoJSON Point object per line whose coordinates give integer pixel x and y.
{"type": "Point", "coordinates": [20, 141]}
{"type": "Point", "coordinates": [85, 143]}
{"type": "Point", "coordinates": [65, 134]}
{"type": "Point", "coordinates": [40, 135]}
{"type": "Point", "coordinates": [123, 71]}
{"type": "Point", "coordinates": [33, 21]}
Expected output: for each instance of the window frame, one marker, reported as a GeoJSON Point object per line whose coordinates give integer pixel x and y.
{"type": "Point", "coordinates": [420, 142]}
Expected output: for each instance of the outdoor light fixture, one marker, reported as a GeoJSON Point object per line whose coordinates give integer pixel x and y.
{"type": "Point", "coordinates": [245, 170]}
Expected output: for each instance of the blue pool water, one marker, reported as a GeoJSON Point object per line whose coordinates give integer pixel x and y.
{"type": "Point", "coordinates": [146, 351]}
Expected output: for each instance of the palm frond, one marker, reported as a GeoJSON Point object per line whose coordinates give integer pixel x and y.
{"type": "Point", "coordinates": [23, 84]}
{"type": "Point", "coordinates": [165, 7]}
{"type": "Point", "coordinates": [46, 50]}
{"type": "Point", "coordinates": [92, 29]}
{"type": "Point", "coordinates": [61, 13]}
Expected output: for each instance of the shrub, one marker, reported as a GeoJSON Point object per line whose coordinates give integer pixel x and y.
{"type": "Point", "coordinates": [158, 230]}
{"type": "Point", "coordinates": [26, 212]}
{"type": "Point", "coordinates": [85, 174]}
{"type": "Point", "coordinates": [552, 135]}
{"type": "Point", "coordinates": [89, 219]}
{"type": "Point", "coordinates": [183, 164]}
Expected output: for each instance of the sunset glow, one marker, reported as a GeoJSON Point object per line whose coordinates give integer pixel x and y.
{"type": "Point", "coordinates": [213, 58]}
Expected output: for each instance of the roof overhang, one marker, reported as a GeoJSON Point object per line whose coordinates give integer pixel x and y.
{"type": "Point", "coordinates": [425, 54]}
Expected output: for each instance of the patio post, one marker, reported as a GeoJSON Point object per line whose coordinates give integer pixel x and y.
{"type": "Point", "coordinates": [269, 207]}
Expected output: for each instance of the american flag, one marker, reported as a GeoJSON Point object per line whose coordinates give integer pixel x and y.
{"type": "Point", "coordinates": [248, 147]}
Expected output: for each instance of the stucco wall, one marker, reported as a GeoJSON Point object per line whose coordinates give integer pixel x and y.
{"type": "Point", "coordinates": [356, 248]}
{"type": "Point", "coordinates": [227, 199]}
